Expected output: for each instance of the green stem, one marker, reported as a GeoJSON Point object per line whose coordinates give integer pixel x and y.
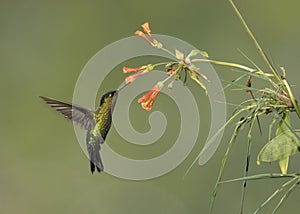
{"type": "Point", "coordinates": [286, 195]}
{"type": "Point", "coordinates": [262, 53]}
{"type": "Point", "coordinates": [235, 65]}
{"type": "Point", "coordinates": [162, 63]}
{"type": "Point", "coordinates": [167, 51]}
{"type": "Point", "coordinates": [212, 139]}
{"type": "Point", "coordinates": [274, 194]}
{"type": "Point", "coordinates": [229, 64]}
{"type": "Point", "coordinates": [261, 176]}
{"type": "Point", "coordinates": [295, 105]}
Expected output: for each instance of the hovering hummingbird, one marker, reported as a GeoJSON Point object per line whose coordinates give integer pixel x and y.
{"type": "Point", "coordinates": [97, 123]}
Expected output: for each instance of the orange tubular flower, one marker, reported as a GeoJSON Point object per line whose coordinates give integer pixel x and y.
{"type": "Point", "coordinates": [141, 34]}
{"type": "Point", "coordinates": [146, 28]}
{"type": "Point", "coordinates": [148, 99]}
{"type": "Point", "coordinates": [128, 69]}
{"type": "Point", "coordinates": [133, 77]}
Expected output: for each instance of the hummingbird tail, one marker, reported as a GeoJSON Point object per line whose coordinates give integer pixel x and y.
{"type": "Point", "coordinates": [95, 160]}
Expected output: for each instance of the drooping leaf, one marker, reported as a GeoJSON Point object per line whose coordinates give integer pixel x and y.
{"type": "Point", "coordinates": [196, 78]}
{"type": "Point", "coordinates": [279, 149]}
{"type": "Point", "coordinates": [204, 53]}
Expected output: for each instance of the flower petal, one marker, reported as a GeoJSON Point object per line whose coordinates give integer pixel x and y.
{"type": "Point", "coordinates": [146, 28]}
{"type": "Point", "coordinates": [141, 34]}
{"type": "Point", "coordinates": [148, 99]}
{"type": "Point", "coordinates": [133, 77]}
{"type": "Point", "coordinates": [128, 69]}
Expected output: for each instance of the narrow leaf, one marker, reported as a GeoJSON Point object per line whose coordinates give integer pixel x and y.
{"type": "Point", "coordinates": [196, 51]}
{"type": "Point", "coordinates": [179, 55]}
{"type": "Point", "coordinates": [193, 53]}
{"type": "Point", "coordinates": [283, 164]}
{"type": "Point", "coordinates": [196, 78]}
{"type": "Point", "coordinates": [204, 53]}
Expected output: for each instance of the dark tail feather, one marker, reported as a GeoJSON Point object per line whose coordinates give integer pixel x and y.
{"type": "Point", "coordinates": [98, 161]}
{"type": "Point", "coordinates": [95, 160]}
{"type": "Point", "coordinates": [92, 167]}
{"type": "Point", "coordinates": [99, 166]}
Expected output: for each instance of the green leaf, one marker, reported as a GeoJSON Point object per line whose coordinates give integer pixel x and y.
{"type": "Point", "coordinates": [204, 53]}
{"type": "Point", "coordinates": [192, 68]}
{"type": "Point", "coordinates": [196, 78]}
{"type": "Point", "coordinates": [179, 55]}
{"type": "Point", "coordinates": [196, 51]}
{"type": "Point", "coordinates": [283, 164]}
{"type": "Point", "coordinates": [280, 148]}
{"type": "Point", "coordinates": [284, 124]}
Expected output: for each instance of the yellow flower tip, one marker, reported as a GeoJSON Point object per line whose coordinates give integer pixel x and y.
{"type": "Point", "coordinates": [146, 28]}
{"type": "Point", "coordinates": [146, 107]}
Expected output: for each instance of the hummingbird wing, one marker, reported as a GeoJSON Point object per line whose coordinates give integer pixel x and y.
{"type": "Point", "coordinates": [83, 117]}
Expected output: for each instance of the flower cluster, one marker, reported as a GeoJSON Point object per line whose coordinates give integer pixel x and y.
{"type": "Point", "coordinates": [148, 99]}
{"type": "Point", "coordinates": [173, 69]}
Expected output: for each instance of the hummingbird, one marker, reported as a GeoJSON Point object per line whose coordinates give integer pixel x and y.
{"type": "Point", "coordinates": [97, 123]}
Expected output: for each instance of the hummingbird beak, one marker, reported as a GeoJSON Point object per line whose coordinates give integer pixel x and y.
{"type": "Point", "coordinates": [123, 85]}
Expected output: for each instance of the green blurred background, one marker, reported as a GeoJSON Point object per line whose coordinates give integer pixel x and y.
{"type": "Point", "coordinates": [44, 46]}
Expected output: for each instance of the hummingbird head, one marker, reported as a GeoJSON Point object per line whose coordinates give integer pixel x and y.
{"type": "Point", "coordinates": [109, 99]}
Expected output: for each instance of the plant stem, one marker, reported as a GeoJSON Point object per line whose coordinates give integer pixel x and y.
{"type": "Point", "coordinates": [262, 53]}
{"type": "Point", "coordinates": [295, 105]}
{"type": "Point", "coordinates": [229, 64]}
